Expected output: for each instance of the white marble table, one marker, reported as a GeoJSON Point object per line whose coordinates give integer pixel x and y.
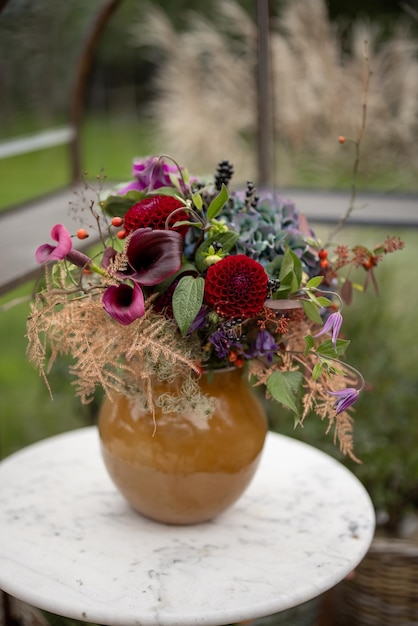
{"type": "Point", "coordinates": [70, 544]}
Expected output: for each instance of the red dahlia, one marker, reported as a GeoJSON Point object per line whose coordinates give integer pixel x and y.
{"type": "Point", "coordinates": [236, 286]}
{"type": "Point", "coordinates": [153, 212]}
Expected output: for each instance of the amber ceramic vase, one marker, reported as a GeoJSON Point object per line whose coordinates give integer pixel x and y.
{"type": "Point", "coordinates": [187, 469]}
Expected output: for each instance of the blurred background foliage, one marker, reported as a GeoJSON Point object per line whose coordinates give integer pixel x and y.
{"type": "Point", "coordinates": [145, 97]}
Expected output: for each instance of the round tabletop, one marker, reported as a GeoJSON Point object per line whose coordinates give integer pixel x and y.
{"type": "Point", "coordinates": [71, 545]}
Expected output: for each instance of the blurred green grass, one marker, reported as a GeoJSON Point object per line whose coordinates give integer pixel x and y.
{"type": "Point", "coordinates": [108, 146]}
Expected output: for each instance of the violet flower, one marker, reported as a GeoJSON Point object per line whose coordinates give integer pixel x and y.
{"type": "Point", "coordinates": [47, 252]}
{"type": "Point", "coordinates": [150, 174]}
{"type": "Point", "coordinates": [221, 343]}
{"type": "Point", "coordinates": [332, 325]}
{"type": "Point", "coordinates": [124, 303]}
{"type": "Point", "coordinates": [264, 345]}
{"type": "Point", "coordinates": [345, 398]}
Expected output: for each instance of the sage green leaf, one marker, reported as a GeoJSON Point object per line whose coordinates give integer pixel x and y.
{"type": "Point", "coordinates": [314, 282]}
{"type": "Point", "coordinates": [309, 343]}
{"type": "Point", "coordinates": [284, 387]}
{"type": "Point", "coordinates": [292, 265]}
{"type": "Point", "coordinates": [218, 203]}
{"type": "Point", "coordinates": [311, 311]}
{"type": "Point", "coordinates": [324, 301]}
{"type": "Point", "coordinates": [165, 191]}
{"type": "Point", "coordinates": [317, 371]}
{"type": "Point", "coordinates": [197, 200]}
{"type": "Point", "coordinates": [116, 206]}
{"type": "Point", "coordinates": [326, 348]}
{"type": "Point", "coordinates": [187, 301]}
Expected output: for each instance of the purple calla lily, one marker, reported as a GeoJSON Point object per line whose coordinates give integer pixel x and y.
{"type": "Point", "coordinates": [125, 303]}
{"type": "Point", "coordinates": [332, 325]}
{"type": "Point", "coordinates": [47, 252]}
{"type": "Point", "coordinates": [345, 398]}
{"type": "Point", "coordinates": [153, 255]}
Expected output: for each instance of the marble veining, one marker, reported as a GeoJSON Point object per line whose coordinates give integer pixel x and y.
{"type": "Point", "coordinates": [71, 545]}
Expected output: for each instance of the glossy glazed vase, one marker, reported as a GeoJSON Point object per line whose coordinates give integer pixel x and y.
{"type": "Point", "coordinates": [185, 468]}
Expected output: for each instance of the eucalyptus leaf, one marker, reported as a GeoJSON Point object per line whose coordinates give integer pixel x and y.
{"type": "Point", "coordinates": [187, 301]}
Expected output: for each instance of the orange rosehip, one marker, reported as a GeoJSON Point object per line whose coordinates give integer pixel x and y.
{"type": "Point", "coordinates": [121, 234]}
{"type": "Point", "coordinates": [323, 254]}
{"type": "Point", "coordinates": [341, 139]}
{"type": "Point", "coordinates": [82, 233]}
{"type": "Point", "coordinates": [117, 221]}
{"type": "Point", "coordinates": [323, 263]}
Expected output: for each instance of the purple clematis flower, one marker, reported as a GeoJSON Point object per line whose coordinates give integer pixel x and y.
{"type": "Point", "coordinates": [150, 174]}
{"type": "Point", "coordinates": [153, 255]}
{"type": "Point", "coordinates": [47, 252]}
{"type": "Point", "coordinates": [332, 325]}
{"type": "Point", "coordinates": [345, 398]}
{"type": "Point", "coordinates": [124, 303]}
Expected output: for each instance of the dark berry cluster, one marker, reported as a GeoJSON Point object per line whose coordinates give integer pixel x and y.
{"type": "Point", "coordinates": [232, 329]}
{"type": "Point", "coordinates": [224, 173]}
{"type": "Point", "coordinates": [251, 197]}
{"type": "Point", "coordinates": [272, 286]}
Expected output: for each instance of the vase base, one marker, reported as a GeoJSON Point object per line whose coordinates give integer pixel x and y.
{"type": "Point", "coordinates": [177, 499]}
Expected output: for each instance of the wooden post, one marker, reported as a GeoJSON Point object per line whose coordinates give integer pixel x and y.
{"type": "Point", "coordinates": [265, 97]}
{"type": "Point", "coordinates": [80, 83]}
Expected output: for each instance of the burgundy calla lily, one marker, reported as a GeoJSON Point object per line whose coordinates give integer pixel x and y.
{"type": "Point", "coordinates": [47, 252]}
{"type": "Point", "coordinates": [153, 255]}
{"type": "Point", "coordinates": [125, 303]}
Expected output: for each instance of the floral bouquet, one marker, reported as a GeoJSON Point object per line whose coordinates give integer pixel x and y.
{"type": "Point", "coordinates": [187, 275]}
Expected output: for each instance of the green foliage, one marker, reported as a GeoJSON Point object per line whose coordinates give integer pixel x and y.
{"type": "Point", "coordinates": [284, 387]}
{"type": "Point", "coordinates": [290, 273]}
{"type": "Point", "coordinates": [227, 240]}
{"type": "Point", "coordinates": [187, 301]}
{"type": "Point", "coordinates": [118, 205]}
{"type": "Point", "coordinates": [217, 203]}
{"type": "Point", "coordinates": [27, 412]}
{"type": "Point", "coordinates": [384, 347]}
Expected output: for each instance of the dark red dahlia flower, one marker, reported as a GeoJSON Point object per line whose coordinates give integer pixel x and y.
{"type": "Point", "coordinates": [236, 286]}
{"type": "Point", "coordinates": [153, 212]}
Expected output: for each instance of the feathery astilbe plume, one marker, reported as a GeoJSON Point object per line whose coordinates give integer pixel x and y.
{"type": "Point", "coordinates": [149, 347]}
